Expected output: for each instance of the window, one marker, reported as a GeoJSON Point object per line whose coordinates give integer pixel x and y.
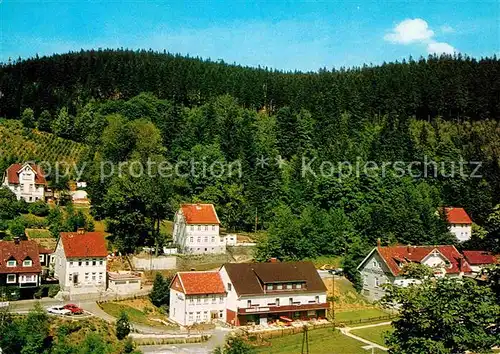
{"type": "Point", "coordinates": [101, 262]}
{"type": "Point", "coordinates": [221, 313]}
{"type": "Point", "coordinates": [191, 227]}
{"type": "Point", "coordinates": [205, 239]}
{"type": "Point", "coordinates": [198, 316]}
{"type": "Point", "coordinates": [270, 287]}
{"type": "Point", "coordinates": [28, 278]}
{"type": "Point", "coordinates": [27, 263]}
{"type": "Point", "coordinates": [31, 188]}
{"type": "Point", "coordinates": [86, 262]}
{"type": "Point", "coordinates": [213, 227]}
{"type": "Point", "coordinates": [191, 239]}
{"type": "Point", "coordinates": [198, 239]}
{"type": "Point", "coordinates": [377, 283]}
{"type": "Point", "coordinates": [205, 300]}
{"type": "Point", "coordinates": [11, 278]}
{"type": "Point", "coordinates": [279, 286]}
{"type": "Point", "coordinates": [94, 262]}
{"type": "Point", "coordinates": [249, 303]}
{"type": "Point", "coordinates": [290, 301]}
{"type": "Point", "coordinates": [229, 286]}
{"type": "Point", "coordinates": [40, 257]}
{"type": "Point", "coordinates": [205, 315]}
{"type": "Point", "coordinates": [86, 276]}
{"type": "Point", "coordinates": [365, 280]}
{"type": "Point", "coordinates": [277, 302]}
{"type": "Point", "coordinates": [191, 300]}
{"type": "Point", "coordinates": [206, 227]}
{"type": "Point", "coordinates": [199, 227]}
{"type": "Point", "coordinates": [221, 299]}
{"type": "Point", "coordinates": [374, 264]}
{"type": "Point", "coordinates": [298, 286]}
{"type": "Point", "coordinates": [289, 286]}
{"type": "Point", "coordinates": [71, 264]}
{"type": "Point", "coordinates": [80, 263]}
{"type": "Point", "coordinates": [11, 263]}
{"type": "Point", "coordinates": [316, 299]}
{"type": "Point", "coordinates": [213, 239]}
{"type": "Point", "coordinates": [214, 299]}
{"type": "Point", "coordinates": [100, 276]}
{"type": "Point", "coordinates": [93, 276]}
{"type": "Point", "coordinates": [190, 316]}
{"type": "Point", "coordinates": [198, 300]}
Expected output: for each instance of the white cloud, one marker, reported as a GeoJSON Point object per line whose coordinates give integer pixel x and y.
{"type": "Point", "coordinates": [447, 29]}
{"type": "Point", "coordinates": [440, 48]}
{"type": "Point", "coordinates": [410, 31]}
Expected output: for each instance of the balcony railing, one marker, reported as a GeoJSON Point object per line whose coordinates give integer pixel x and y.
{"type": "Point", "coordinates": [285, 308]}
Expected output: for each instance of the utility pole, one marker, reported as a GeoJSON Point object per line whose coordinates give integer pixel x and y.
{"type": "Point", "coordinates": [256, 220]}
{"type": "Point", "coordinates": [305, 341]}
{"type": "Point", "coordinates": [333, 299]}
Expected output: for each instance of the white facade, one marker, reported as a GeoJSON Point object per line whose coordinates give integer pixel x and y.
{"type": "Point", "coordinates": [190, 309]}
{"type": "Point", "coordinates": [79, 274]}
{"type": "Point", "coordinates": [197, 238]}
{"type": "Point", "coordinates": [27, 188]}
{"type": "Point", "coordinates": [462, 232]}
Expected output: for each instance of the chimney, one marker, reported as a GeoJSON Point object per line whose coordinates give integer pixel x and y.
{"type": "Point", "coordinates": [273, 260]}
{"type": "Point", "coordinates": [17, 240]}
{"type": "Point", "coordinates": [80, 231]}
{"type": "Point", "coordinates": [460, 263]}
{"type": "Point", "coordinates": [379, 243]}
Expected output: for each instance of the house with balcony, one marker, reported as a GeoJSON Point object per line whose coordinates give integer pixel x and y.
{"type": "Point", "coordinates": [26, 181]}
{"type": "Point", "coordinates": [197, 297]}
{"type": "Point", "coordinates": [196, 230]}
{"type": "Point", "coordinates": [261, 293]}
{"type": "Point", "coordinates": [384, 265]}
{"type": "Point", "coordinates": [459, 223]}
{"type": "Point", "coordinates": [20, 264]}
{"type": "Point", "coordinates": [80, 262]}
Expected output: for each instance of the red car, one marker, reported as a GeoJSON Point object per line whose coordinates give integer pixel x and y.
{"type": "Point", "coordinates": [75, 310]}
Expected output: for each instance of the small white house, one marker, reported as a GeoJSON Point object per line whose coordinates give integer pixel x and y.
{"type": "Point", "coordinates": [196, 230]}
{"type": "Point", "coordinates": [80, 261]}
{"type": "Point", "coordinates": [197, 297]}
{"type": "Point", "coordinates": [384, 264]}
{"type": "Point", "coordinates": [124, 283]}
{"type": "Point", "coordinates": [26, 181]}
{"type": "Point", "coordinates": [459, 223]}
{"type": "Point", "coordinates": [478, 260]}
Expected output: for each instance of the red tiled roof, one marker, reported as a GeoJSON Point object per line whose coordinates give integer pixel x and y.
{"type": "Point", "coordinates": [200, 214]}
{"type": "Point", "coordinates": [196, 283]}
{"type": "Point", "coordinates": [406, 254]}
{"type": "Point", "coordinates": [457, 216]}
{"type": "Point", "coordinates": [24, 249]}
{"type": "Point", "coordinates": [479, 257]}
{"type": "Point", "coordinates": [87, 244]}
{"type": "Point", "coordinates": [13, 173]}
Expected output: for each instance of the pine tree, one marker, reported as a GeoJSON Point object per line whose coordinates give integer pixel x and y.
{"type": "Point", "coordinates": [45, 121]}
{"type": "Point", "coordinates": [122, 326]}
{"type": "Point", "coordinates": [28, 118]}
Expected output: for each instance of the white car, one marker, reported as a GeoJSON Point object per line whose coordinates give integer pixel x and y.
{"type": "Point", "coordinates": [58, 310]}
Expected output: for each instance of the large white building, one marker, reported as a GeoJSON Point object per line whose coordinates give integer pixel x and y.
{"type": "Point", "coordinates": [249, 293]}
{"type": "Point", "coordinates": [196, 230]}
{"type": "Point", "coordinates": [197, 297]}
{"type": "Point", "coordinates": [26, 181]}
{"type": "Point", "coordinates": [384, 265]}
{"type": "Point", "coordinates": [80, 262]}
{"type": "Point", "coordinates": [459, 223]}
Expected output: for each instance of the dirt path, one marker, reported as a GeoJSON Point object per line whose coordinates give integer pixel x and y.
{"type": "Point", "coordinates": [347, 331]}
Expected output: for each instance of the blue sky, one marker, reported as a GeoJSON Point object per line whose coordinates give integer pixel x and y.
{"type": "Point", "coordinates": [279, 34]}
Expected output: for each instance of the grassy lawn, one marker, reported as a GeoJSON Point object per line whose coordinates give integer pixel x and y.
{"type": "Point", "coordinates": [355, 315]}
{"type": "Point", "coordinates": [38, 233]}
{"type": "Point", "coordinates": [321, 341]}
{"type": "Point", "coordinates": [328, 261]}
{"type": "Point", "coordinates": [138, 311]}
{"type": "Point", "coordinates": [373, 334]}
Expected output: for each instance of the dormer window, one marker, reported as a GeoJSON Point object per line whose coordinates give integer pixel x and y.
{"type": "Point", "coordinates": [289, 286]}
{"type": "Point", "coordinates": [279, 286]}
{"type": "Point", "coordinates": [270, 287]}
{"type": "Point", "coordinates": [11, 263]}
{"type": "Point", "coordinates": [298, 286]}
{"type": "Point", "coordinates": [27, 263]}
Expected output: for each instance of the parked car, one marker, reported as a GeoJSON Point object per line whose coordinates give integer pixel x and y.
{"type": "Point", "coordinates": [58, 310]}
{"type": "Point", "coordinates": [75, 310]}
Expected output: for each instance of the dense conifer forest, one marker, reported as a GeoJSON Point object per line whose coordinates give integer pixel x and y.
{"type": "Point", "coordinates": [295, 135]}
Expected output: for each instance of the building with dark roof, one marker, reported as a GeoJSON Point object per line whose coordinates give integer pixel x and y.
{"type": "Point", "coordinates": [384, 265]}
{"type": "Point", "coordinates": [260, 293]}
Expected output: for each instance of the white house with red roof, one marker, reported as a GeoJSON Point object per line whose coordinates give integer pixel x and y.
{"type": "Point", "coordinates": [478, 260]}
{"type": "Point", "coordinates": [196, 230]}
{"type": "Point", "coordinates": [197, 297]}
{"type": "Point", "coordinates": [80, 261]}
{"type": "Point", "coordinates": [384, 264]}
{"type": "Point", "coordinates": [460, 224]}
{"type": "Point", "coordinates": [26, 181]}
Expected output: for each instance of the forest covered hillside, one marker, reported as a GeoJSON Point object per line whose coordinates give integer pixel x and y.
{"type": "Point", "coordinates": [451, 87]}
{"type": "Point", "coordinates": [328, 162]}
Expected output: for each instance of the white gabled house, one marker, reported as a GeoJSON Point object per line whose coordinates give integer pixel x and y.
{"type": "Point", "coordinates": [26, 181]}
{"type": "Point", "coordinates": [459, 223]}
{"type": "Point", "coordinates": [384, 264]}
{"type": "Point", "coordinates": [80, 262]}
{"type": "Point", "coordinates": [196, 230]}
{"type": "Point", "coordinates": [197, 297]}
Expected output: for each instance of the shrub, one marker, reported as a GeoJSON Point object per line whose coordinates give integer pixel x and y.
{"type": "Point", "coordinates": [17, 228]}
{"type": "Point", "coordinates": [53, 290]}
{"type": "Point", "coordinates": [122, 326]}
{"type": "Point", "coordinates": [22, 206]}
{"type": "Point", "coordinates": [32, 222]}
{"type": "Point", "coordinates": [10, 293]}
{"type": "Point", "coordinates": [39, 208]}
